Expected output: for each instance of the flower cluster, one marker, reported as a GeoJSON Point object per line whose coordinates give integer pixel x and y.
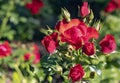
{"type": "Point", "coordinates": [112, 5]}
{"type": "Point", "coordinates": [34, 6]}
{"type": "Point", "coordinates": [81, 36]}
{"type": "Point", "coordinates": [76, 33]}
{"type": "Point", "coordinates": [5, 49]}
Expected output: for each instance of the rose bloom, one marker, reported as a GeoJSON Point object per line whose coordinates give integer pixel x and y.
{"type": "Point", "coordinates": [88, 48]}
{"type": "Point", "coordinates": [50, 42]}
{"type": "Point", "coordinates": [84, 9]}
{"type": "Point", "coordinates": [112, 5]}
{"type": "Point", "coordinates": [72, 32]}
{"type": "Point", "coordinates": [5, 49]}
{"type": "Point", "coordinates": [76, 73]}
{"type": "Point", "coordinates": [75, 36]}
{"type": "Point", "coordinates": [108, 44]}
{"type": "Point", "coordinates": [35, 54]}
{"type": "Point", "coordinates": [34, 6]}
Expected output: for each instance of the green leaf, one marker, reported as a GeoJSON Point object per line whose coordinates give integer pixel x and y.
{"type": "Point", "coordinates": [94, 69]}
{"type": "Point", "coordinates": [48, 61]}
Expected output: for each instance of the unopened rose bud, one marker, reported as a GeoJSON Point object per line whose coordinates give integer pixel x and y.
{"type": "Point", "coordinates": [58, 69]}
{"type": "Point", "coordinates": [98, 26]}
{"type": "Point", "coordinates": [70, 48]}
{"type": "Point", "coordinates": [91, 16]}
{"type": "Point", "coordinates": [65, 14]}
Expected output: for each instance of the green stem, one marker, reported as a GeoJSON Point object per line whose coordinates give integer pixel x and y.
{"type": "Point", "coordinates": [78, 52]}
{"type": "Point", "coordinates": [46, 77]}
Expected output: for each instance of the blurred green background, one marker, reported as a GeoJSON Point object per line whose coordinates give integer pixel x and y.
{"type": "Point", "coordinates": [18, 23]}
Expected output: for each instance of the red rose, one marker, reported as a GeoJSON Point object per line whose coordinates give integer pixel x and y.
{"type": "Point", "coordinates": [88, 48]}
{"type": "Point", "coordinates": [112, 5]}
{"type": "Point", "coordinates": [118, 3]}
{"type": "Point", "coordinates": [84, 10]}
{"type": "Point", "coordinates": [5, 49]}
{"type": "Point", "coordinates": [91, 33]}
{"type": "Point", "coordinates": [27, 56]}
{"type": "Point", "coordinates": [75, 35]}
{"type": "Point", "coordinates": [50, 42]}
{"type": "Point", "coordinates": [35, 54]}
{"type": "Point", "coordinates": [108, 44]}
{"type": "Point", "coordinates": [64, 25]}
{"type": "Point", "coordinates": [35, 48]}
{"type": "Point", "coordinates": [36, 58]}
{"type": "Point", "coordinates": [76, 73]}
{"type": "Point", "coordinates": [34, 6]}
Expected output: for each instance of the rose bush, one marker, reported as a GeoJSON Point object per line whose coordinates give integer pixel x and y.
{"type": "Point", "coordinates": [75, 50]}
{"type": "Point", "coordinates": [75, 39]}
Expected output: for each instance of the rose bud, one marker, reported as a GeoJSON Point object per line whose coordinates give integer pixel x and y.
{"type": "Point", "coordinates": [27, 56]}
{"type": "Point", "coordinates": [84, 10]}
{"type": "Point", "coordinates": [88, 48]}
{"type": "Point", "coordinates": [108, 44]}
{"type": "Point", "coordinates": [76, 73]}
